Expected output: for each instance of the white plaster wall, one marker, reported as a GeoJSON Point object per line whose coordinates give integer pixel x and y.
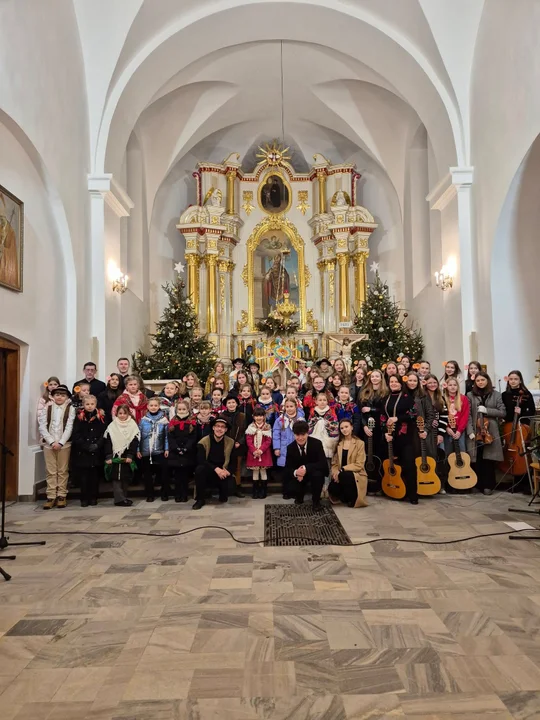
{"type": "Point", "coordinates": [35, 318]}
{"type": "Point", "coordinates": [514, 273]}
{"type": "Point", "coordinates": [42, 90]}
{"type": "Point", "coordinates": [505, 120]}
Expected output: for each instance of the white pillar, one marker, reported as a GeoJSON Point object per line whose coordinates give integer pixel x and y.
{"type": "Point", "coordinates": [462, 179]}
{"type": "Point", "coordinates": [456, 187]}
{"type": "Point", "coordinates": [105, 248]}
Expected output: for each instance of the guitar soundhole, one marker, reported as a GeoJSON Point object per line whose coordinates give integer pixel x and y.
{"type": "Point", "coordinates": [424, 468]}
{"type": "Point", "coordinates": [370, 467]}
{"type": "Point", "coordinates": [391, 471]}
{"type": "Point", "coordinates": [460, 464]}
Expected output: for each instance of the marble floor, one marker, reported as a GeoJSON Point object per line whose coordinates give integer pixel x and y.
{"type": "Point", "coordinates": [112, 626]}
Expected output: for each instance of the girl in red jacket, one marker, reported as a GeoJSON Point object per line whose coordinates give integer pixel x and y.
{"type": "Point", "coordinates": [259, 451]}
{"type": "Point", "coordinates": [458, 406]}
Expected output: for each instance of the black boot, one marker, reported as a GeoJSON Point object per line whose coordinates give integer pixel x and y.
{"type": "Point", "coordinates": [264, 485]}
{"type": "Point", "coordinates": [255, 493]}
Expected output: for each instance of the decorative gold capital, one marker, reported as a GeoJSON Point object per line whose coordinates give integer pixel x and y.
{"type": "Point", "coordinates": [211, 260]}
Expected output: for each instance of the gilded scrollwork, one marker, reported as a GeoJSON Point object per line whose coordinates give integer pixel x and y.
{"type": "Point", "coordinates": [313, 322]}
{"type": "Point", "coordinates": [303, 205]}
{"type": "Point", "coordinates": [243, 322]}
{"type": "Point", "coordinates": [247, 202]}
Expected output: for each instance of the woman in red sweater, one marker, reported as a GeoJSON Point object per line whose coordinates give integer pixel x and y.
{"type": "Point", "coordinates": [458, 405]}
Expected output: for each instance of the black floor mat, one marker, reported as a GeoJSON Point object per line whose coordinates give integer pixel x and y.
{"type": "Point", "coordinates": [301, 525]}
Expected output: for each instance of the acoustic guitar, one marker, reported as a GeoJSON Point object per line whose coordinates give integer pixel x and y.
{"type": "Point", "coordinates": [392, 482]}
{"type": "Point", "coordinates": [428, 481]}
{"type": "Point", "coordinates": [373, 463]}
{"type": "Point", "coordinates": [460, 476]}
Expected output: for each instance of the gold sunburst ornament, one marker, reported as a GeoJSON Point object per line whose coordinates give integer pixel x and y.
{"type": "Point", "coordinates": [273, 154]}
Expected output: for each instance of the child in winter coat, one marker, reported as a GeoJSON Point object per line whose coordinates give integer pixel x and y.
{"type": "Point", "coordinates": [277, 396]}
{"type": "Point", "coordinates": [169, 395]}
{"type": "Point", "coordinates": [216, 402]}
{"type": "Point", "coordinates": [259, 452]}
{"type": "Point", "coordinates": [237, 432]}
{"type": "Point", "coordinates": [204, 419]}
{"type": "Point", "coordinates": [81, 391]}
{"type": "Point", "coordinates": [154, 448]}
{"type": "Point", "coordinates": [246, 403]}
{"type": "Point", "coordinates": [182, 441]}
{"type": "Point", "coordinates": [346, 409]}
{"type": "Point", "coordinates": [133, 398]}
{"type": "Point", "coordinates": [282, 435]}
{"type": "Point", "coordinates": [121, 442]}
{"type": "Point", "coordinates": [266, 402]}
{"type": "Point", "coordinates": [323, 425]}
{"type": "Point", "coordinates": [87, 449]}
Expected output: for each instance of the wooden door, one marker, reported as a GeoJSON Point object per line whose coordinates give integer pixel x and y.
{"type": "Point", "coordinates": [9, 414]}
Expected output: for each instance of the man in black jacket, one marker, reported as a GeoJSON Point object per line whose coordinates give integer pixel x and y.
{"type": "Point", "coordinates": [213, 457]}
{"type": "Point", "coordinates": [90, 372]}
{"type": "Point", "coordinates": [306, 462]}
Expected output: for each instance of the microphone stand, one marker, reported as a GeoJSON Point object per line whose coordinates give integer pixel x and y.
{"type": "Point", "coordinates": [4, 542]}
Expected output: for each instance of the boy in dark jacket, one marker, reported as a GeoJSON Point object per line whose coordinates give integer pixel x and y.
{"type": "Point", "coordinates": [87, 449]}
{"type": "Point", "coordinates": [237, 432]}
{"type": "Point", "coordinates": [182, 441]}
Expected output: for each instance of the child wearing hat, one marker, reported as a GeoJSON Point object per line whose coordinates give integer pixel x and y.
{"type": "Point", "coordinates": [238, 364]}
{"type": "Point", "coordinates": [55, 427]}
{"type": "Point", "coordinates": [254, 374]}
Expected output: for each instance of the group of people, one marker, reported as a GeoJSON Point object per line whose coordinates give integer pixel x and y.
{"type": "Point", "coordinates": [306, 428]}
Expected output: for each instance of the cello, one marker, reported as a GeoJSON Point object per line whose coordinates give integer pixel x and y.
{"type": "Point", "coordinates": [516, 435]}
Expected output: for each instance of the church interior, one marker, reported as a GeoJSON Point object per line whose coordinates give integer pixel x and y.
{"type": "Point", "coordinates": [274, 159]}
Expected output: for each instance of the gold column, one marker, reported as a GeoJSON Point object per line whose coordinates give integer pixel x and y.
{"type": "Point", "coordinates": [231, 177]}
{"type": "Point", "coordinates": [321, 177]}
{"type": "Point", "coordinates": [193, 279]}
{"type": "Point", "coordinates": [360, 279]}
{"type": "Point", "coordinates": [211, 262]}
{"type": "Point", "coordinates": [343, 261]}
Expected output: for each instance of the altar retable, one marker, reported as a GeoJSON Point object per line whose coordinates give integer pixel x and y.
{"type": "Point", "coordinates": [256, 239]}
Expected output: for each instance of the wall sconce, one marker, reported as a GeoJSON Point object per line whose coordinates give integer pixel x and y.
{"type": "Point", "coordinates": [444, 279]}
{"type": "Point", "coordinates": [117, 277]}
{"type": "Point", "coordinates": [119, 285]}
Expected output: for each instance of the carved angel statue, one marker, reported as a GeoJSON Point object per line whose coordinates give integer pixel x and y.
{"type": "Point", "coordinates": [340, 199]}
{"type": "Point", "coordinates": [215, 196]}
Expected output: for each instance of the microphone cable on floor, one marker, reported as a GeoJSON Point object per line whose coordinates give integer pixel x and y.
{"type": "Point", "coordinates": [258, 542]}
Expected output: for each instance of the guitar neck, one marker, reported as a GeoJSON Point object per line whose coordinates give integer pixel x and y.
{"type": "Point", "coordinates": [423, 450]}
{"type": "Point", "coordinates": [391, 454]}
{"type": "Point", "coordinates": [370, 449]}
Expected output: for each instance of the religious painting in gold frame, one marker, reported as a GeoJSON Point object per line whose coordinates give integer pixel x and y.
{"type": "Point", "coordinates": [274, 194]}
{"type": "Point", "coordinates": [11, 240]}
{"type": "Point", "coordinates": [264, 230]}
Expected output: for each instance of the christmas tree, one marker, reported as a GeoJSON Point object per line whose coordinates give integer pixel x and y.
{"type": "Point", "coordinates": [389, 337]}
{"type": "Point", "coordinates": [176, 347]}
